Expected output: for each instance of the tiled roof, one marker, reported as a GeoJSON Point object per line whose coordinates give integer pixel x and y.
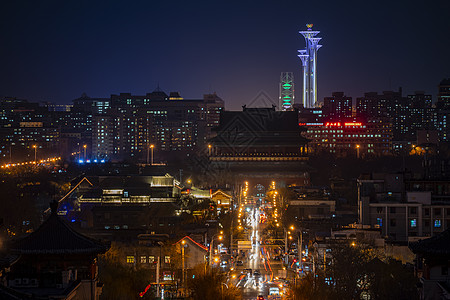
{"type": "Point", "coordinates": [436, 245]}
{"type": "Point", "coordinates": [54, 236]}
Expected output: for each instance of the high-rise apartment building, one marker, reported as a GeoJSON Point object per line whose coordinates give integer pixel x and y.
{"type": "Point", "coordinates": [407, 114]}
{"type": "Point", "coordinates": [443, 110]}
{"type": "Point", "coordinates": [338, 107]}
{"type": "Point", "coordinates": [168, 122]}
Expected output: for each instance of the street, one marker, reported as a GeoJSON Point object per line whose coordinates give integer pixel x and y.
{"type": "Point", "coordinates": [257, 276]}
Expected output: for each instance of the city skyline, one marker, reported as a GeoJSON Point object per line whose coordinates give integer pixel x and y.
{"type": "Point", "coordinates": [57, 52]}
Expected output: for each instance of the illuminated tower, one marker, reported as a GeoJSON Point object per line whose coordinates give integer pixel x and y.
{"type": "Point", "coordinates": [309, 62]}
{"type": "Point", "coordinates": [286, 91]}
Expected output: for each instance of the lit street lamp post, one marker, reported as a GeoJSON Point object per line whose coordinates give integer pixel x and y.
{"type": "Point", "coordinates": [150, 149]}
{"type": "Point", "coordinates": [35, 149]}
{"type": "Point", "coordinates": [357, 151]}
{"type": "Point", "coordinates": [299, 246]}
{"type": "Point", "coordinates": [84, 146]}
{"type": "Point", "coordinates": [211, 247]}
{"type": "Point", "coordinates": [222, 284]}
{"type": "Point", "coordinates": [182, 263]}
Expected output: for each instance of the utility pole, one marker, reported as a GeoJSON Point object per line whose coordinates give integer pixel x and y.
{"type": "Point", "coordinates": [210, 251]}
{"type": "Point", "coordinates": [231, 231]}
{"type": "Point", "coordinates": [157, 275]}
{"type": "Point", "coordinates": [300, 246]}
{"type": "Point", "coordinates": [158, 267]}
{"type": "Point", "coordinates": [286, 256]}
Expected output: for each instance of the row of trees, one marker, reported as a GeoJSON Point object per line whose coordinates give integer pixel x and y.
{"type": "Point", "coordinates": [357, 271]}
{"type": "Point", "coordinates": [127, 280]}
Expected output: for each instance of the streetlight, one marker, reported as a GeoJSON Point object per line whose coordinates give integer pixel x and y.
{"type": "Point", "coordinates": [150, 148]}
{"type": "Point", "coordinates": [357, 151]}
{"type": "Point", "coordinates": [183, 242]}
{"type": "Point", "coordinates": [299, 244]}
{"type": "Point", "coordinates": [222, 284]}
{"type": "Point", "coordinates": [84, 146]}
{"type": "Point", "coordinates": [35, 149]}
{"type": "Point", "coordinates": [211, 247]}
{"type": "Point", "coordinates": [209, 149]}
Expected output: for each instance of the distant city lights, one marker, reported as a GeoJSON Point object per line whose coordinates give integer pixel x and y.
{"type": "Point", "coordinates": [88, 161]}
{"type": "Point", "coordinates": [34, 162]}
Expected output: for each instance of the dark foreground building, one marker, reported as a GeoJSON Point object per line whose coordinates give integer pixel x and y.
{"type": "Point", "coordinates": [54, 262]}
{"type": "Point", "coordinates": [432, 266]}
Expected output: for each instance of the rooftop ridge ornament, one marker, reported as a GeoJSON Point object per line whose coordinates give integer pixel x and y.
{"type": "Point", "coordinates": [309, 26]}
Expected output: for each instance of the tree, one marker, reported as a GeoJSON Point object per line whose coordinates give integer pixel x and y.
{"type": "Point", "coordinates": [211, 284]}
{"type": "Point", "coordinates": [357, 270]}
{"type": "Point", "coordinates": [392, 280]}
{"type": "Point", "coordinates": [121, 282]}
{"type": "Point", "coordinates": [309, 287]}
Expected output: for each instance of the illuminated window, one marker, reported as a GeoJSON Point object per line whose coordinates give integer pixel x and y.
{"type": "Point", "coordinates": [380, 222]}
{"type": "Point", "coordinates": [143, 259]}
{"type": "Point", "coordinates": [151, 259]}
{"type": "Point", "coordinates": [413, 223]}
{"type": "Point", "coordinates": [167, 259]}
{"type": "Point", "coordinates": [130, 259]}
{"type": "Point", "coordinates": [437, 223]}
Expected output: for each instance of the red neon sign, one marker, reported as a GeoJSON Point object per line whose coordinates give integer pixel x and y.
{"type": "Point", "coordinates": [333, 124]}
{"type": "Point", "coordinates": [141, 294]}
{"type": "Point", "coordinates": [353, 124]}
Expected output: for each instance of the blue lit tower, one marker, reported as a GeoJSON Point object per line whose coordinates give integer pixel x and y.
{"type": "Point", "coordinates": [309, 62]}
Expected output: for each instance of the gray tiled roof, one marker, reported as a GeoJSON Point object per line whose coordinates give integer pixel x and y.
{"type": "Point", "coordinates": [436, 245]}
{"type": "Point", "coordinates": [54, 236]}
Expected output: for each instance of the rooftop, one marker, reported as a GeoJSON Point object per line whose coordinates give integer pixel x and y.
{"type": "Point", "coordinates": [435, 245]}
{"type": "Point", "coordinates": [54, 236]}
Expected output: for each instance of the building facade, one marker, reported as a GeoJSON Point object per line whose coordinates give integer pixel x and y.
{"type": "Point", "coordinates": [337, 107]}
{"type": "Point", "coordinates": [404, 209]}
{"type": "Point", "coordinates": [349, 138]}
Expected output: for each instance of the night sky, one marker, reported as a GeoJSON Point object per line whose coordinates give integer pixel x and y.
{"type": "Point", "coordinates": [56, 50]}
